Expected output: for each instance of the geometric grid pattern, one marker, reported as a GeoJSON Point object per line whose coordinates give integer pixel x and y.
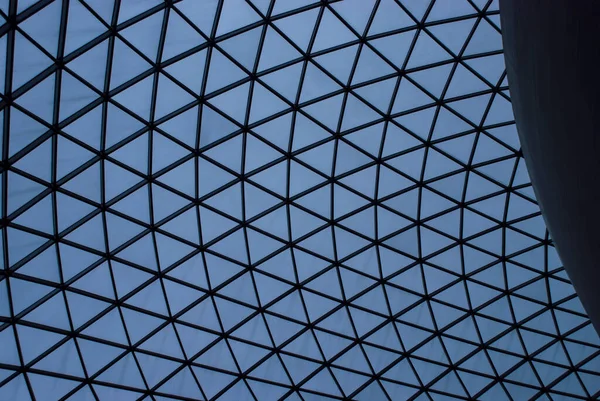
{"type": "Point", "coordinates": [262, 200]}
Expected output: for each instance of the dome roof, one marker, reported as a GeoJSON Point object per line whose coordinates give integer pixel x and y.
{"type": "Point", "coordinates": [263, 200]}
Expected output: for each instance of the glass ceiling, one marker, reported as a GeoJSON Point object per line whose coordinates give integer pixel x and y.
{"type": "Point", "coordinates": [260, 200]}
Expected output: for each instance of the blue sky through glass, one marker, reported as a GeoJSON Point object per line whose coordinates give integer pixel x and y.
{"type": "Point", "coordinates": [263, 200]}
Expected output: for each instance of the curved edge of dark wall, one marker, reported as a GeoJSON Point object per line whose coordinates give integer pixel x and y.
{"type": "Point", "coordinates": [552, 52]}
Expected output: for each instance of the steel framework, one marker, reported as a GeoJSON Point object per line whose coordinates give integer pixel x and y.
{"type": "Point", "coordinates": [302, 200]}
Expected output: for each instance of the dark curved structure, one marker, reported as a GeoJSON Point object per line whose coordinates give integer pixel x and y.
{"type": "Point", "coordinates": [552, 56]}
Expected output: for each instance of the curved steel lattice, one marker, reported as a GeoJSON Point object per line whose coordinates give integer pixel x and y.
{"type": "Point", "coordinates": [269, 200]}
